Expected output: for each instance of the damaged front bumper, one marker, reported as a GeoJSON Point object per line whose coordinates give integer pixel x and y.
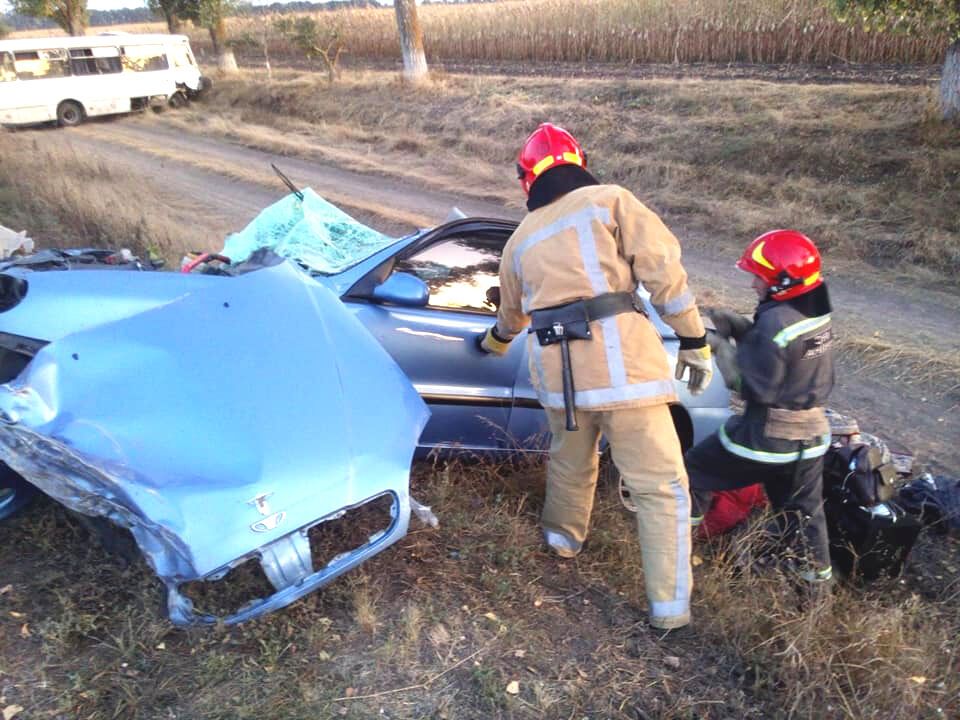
{"type": "Point", "coordinates": [223, 423]}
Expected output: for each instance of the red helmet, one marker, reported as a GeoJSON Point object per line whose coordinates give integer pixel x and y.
{"type": "Point", "coordinates": [786, 260]}
{"type": "Point", "coordinates": [548, 146]}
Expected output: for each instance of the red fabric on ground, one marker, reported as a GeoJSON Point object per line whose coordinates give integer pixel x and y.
{"type": "Point", "coordinates": [730, 508]}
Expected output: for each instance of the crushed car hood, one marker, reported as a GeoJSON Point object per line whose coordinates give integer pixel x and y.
{"type": "Point", "coordinates": [216, 422]}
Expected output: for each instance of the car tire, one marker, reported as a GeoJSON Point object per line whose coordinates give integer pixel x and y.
{"type": "Point", "coordinates": [15, 492]}
{"type": "Point", "coordinates": [70, 113]}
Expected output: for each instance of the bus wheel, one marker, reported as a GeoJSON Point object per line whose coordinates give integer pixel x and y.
{"type": "Point", "coordinates": [178, 100]}
{"type": "Point", "coordinates": [69, 113]}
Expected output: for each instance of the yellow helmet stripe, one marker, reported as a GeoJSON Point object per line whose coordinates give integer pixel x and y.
{"type": "Point", "coordinates": [542, 165]}
{"type": "Point", "coordinates": [812, 279]}
{"type": "Point", "coordinates": [759, 258]}
{"type": "Point", "coordinates": [573, 158]}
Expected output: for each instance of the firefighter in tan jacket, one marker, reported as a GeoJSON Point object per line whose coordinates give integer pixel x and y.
{"type": "Point", "coordinates": [571, 272]}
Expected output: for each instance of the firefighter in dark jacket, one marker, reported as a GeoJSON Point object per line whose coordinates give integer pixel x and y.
{"type": "Point", "coordinates": [784, 372]}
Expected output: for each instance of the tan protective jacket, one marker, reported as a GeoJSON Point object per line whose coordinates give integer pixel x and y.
{"type": "Point", "coordinates": [594, 240]}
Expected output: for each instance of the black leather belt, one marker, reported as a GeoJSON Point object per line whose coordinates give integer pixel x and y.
{"type": "Point", "coordinates": [571, 321]}
{"type": "Point", "coordinates": [576, 316]}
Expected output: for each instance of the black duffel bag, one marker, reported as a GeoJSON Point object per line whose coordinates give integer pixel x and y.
{"type": "Point", "coordinates": [870, 535]}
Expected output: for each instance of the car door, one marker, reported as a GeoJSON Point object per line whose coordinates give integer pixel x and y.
{"type": "Point", "coordinates": [469, 393]}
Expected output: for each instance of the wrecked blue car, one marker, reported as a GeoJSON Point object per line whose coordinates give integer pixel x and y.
{"type": "Point", "coordinates": [228, 415]}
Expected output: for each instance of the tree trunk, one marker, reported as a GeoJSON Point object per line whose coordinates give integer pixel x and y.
{"type": "Point", "coordinates": [76, 27]}
{"type": "Point", "coordinates": [174, 23]}
{"type": "Point", "coordinates": [226, 62]}
{"type": "Point", "coordinates": [411, 40]}
{"type": "Point", "coordinates": [950, 84]}
{"type": "Point", "coordinates": [72, 17]}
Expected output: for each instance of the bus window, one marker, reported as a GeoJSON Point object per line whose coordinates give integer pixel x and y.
{"type": "Point", "coordinates": [7, 71]}
{"type": "Point", "coordinates": [144, 58]}
{"type": "Point", "coordinates": [32, 65]}
{"type": "Point", "coordinates": [180, 56]}
{"type": "Point", "coordinates": [94, 61]}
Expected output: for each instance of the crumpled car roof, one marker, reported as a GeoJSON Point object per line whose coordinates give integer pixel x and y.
{"type": "Point", "coordinates": [170, 420]}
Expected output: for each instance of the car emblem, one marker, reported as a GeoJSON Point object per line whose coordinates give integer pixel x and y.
{"type": "Point", "coordinates": [270, 520]}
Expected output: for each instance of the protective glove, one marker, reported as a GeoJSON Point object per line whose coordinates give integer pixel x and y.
{"type": "Point", "coordinates": [701, 369]}
{"type": "Point", "coordinates": [726, 357]}
{"type": "Point", "coordinates": [728, 323]}
{"type": "Point", "coordinates": [490, 342]}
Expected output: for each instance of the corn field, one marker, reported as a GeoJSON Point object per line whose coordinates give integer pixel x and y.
{"type": "Point", "coordinates": [632, 31]}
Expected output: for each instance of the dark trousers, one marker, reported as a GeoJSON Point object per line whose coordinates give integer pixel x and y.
{"type": "Point", "coordinates": [795, 491]}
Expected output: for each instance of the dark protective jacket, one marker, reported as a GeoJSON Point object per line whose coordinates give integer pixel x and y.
{"type": "Point", "coordinates": [786, 371]}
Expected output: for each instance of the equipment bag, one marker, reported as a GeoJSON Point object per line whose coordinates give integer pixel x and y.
{"type": "Point", "coordinates": [869, 535]}
{"type": "Point", "coordinates": [860, 470]}
{"type": "Point", "coordinates": [866, 543]}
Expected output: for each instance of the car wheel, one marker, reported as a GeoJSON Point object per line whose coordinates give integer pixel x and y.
{"type": "Point", "coordinates": [15, 492]}
{"type": "Point", "coordinates": [69, 113]}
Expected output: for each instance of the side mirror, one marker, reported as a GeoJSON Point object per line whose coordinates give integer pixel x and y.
{"type": "Point", "coordinates": [402, 289]}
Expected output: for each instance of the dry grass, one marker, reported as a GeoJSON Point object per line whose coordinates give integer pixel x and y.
{"type": "Point", "coordinates": [440, 624]}
{"type": "Point", "coordinates": [861, 168]}
{"type": "Point", "coordinates": [912, 367]}
{"type": "Point", "coordinates": [66, 199]}
{"type": "Point", "coordinates": [755, 31]}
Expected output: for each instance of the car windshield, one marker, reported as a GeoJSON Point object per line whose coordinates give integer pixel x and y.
{"type": "Point", "coordinates": [309, 230]}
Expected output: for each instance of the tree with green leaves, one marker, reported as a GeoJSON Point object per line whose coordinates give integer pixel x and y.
{"type": "Point", "coordinates": [916, 16]}
{"type": "Point", "coordinates": [71, 15]}
{"type": "Point", "coordinates": [315, 39]}
{"type": "Point", "coordinates": [175, 12]}
{"type": "Point", "coordinates": [4, 29]}
{"type": "Point", "coordinates": [212, 15]}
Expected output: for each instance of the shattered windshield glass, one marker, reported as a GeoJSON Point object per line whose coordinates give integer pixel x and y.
{"type": "Point", "coordinates": [311, 231]}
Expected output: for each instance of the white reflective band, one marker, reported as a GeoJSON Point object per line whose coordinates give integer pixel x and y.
{"type": "Point", "coordinates": [598, 283]}
{"type": "Point", "coordinates": [587, 215]}
{"type": "Point", "coordinates": [606, 396]}
{"type": "Point", "coordinates": [614, 349]}
{"type": "Point", "coordinates": [680, 605]}
{"type": "Point", "coordinates": [561, 541]}
{"type": "Point", "coordinates": [772, 458]}
{"type": "Point", "coordinates": [817, 575]}
{"type": "Point", "coordinates": [677, 305]}
{"type": "Point", "coordinates": [792, 332]}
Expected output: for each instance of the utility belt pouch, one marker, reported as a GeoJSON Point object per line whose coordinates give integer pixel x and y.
{"type": "Point", "coordinates": [575, 317]}
{"type": "Point", "coordinates": [568, 322]}
{"type": "Point", "coordinates": [796, 424]}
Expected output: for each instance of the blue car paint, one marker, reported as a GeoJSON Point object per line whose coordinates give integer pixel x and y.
{"type": "Point", "coordinates": [479, 403]}
{"type": "Point", "coordinates": [200, 395]}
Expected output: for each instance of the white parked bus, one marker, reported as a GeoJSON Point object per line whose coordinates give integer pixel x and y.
{"type": "Point", "coordinates": [68, 79]}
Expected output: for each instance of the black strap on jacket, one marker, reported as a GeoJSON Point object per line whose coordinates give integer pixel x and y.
{"type": "Point", "coordinates": [571, 321]}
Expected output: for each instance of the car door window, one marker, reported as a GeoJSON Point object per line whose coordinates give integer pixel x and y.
{"type": "Point", "coordinates": [462, 273]}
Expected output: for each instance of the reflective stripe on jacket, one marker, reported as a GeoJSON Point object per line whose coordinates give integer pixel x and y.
{"type": "Point", "coordinates": [786, 363]}
{"type": "Point", "coordinates": [594, 240]}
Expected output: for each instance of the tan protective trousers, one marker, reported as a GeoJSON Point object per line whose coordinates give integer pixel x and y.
{"type": "Point", "coordinates": [647, 453]}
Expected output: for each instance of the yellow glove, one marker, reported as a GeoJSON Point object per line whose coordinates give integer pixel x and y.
{"type": "Point", "coordinates": [490, 342]}
{"type": "Point", "coordinates": [701, 368]}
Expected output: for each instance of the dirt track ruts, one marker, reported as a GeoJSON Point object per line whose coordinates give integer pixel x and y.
{"type": "Point", "coordinates": [227, 184]}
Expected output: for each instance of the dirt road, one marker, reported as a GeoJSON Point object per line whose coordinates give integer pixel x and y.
{"type": "Point", "coordinates": [893, 328]}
